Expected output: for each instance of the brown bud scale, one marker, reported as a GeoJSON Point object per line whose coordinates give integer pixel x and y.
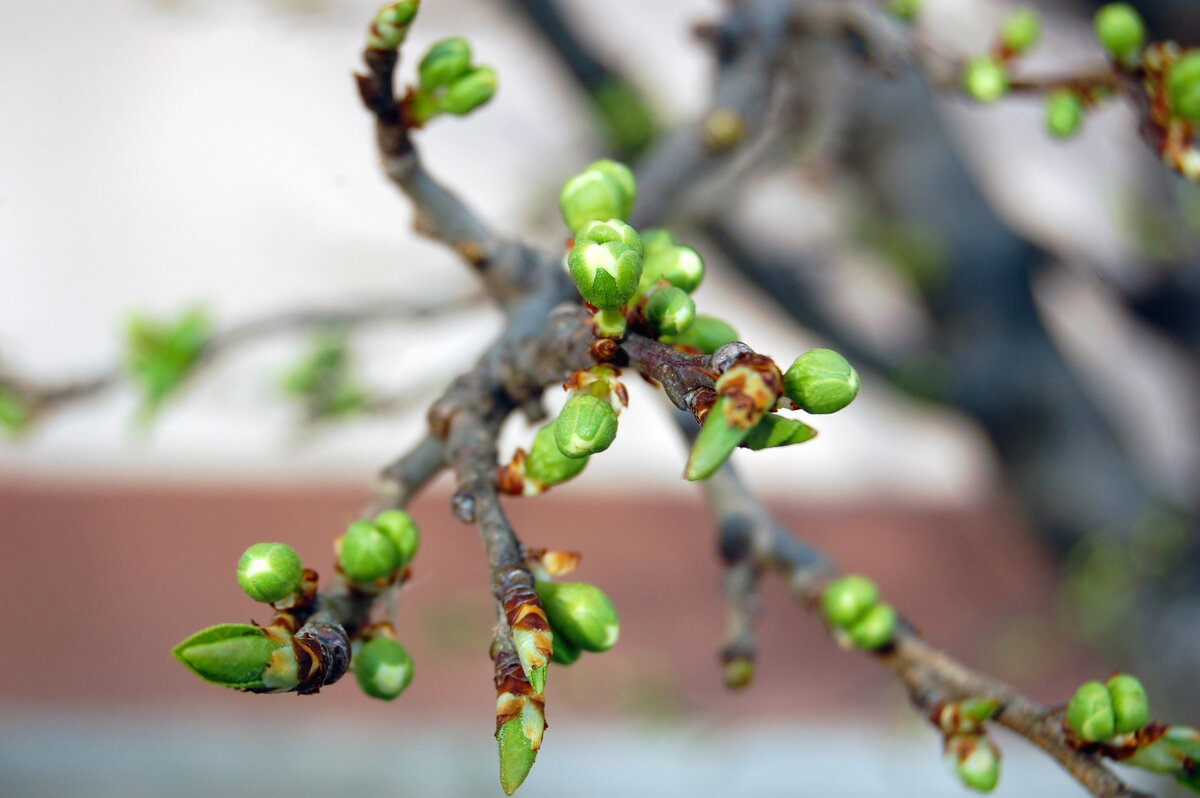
{"type": "Point", "coordinates": [322, 656]}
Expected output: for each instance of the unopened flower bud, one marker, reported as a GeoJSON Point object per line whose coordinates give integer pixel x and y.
{"type": "Point", "coordinates": [233, 655]}
{"type": "Point", "coordinates": [1120, 30]}
{"type": "Point", "coordinates": [546, 464]}
{"type": "Point", "coordinates": [391, 25]}
{"type": "Point", "coordinates": [678, 265]}
{"type": "Point", "coordinates": [875, 629]}
{"type": "Point", "coordinates": [1183, 86]}
{"type": "Point", "coordinates": [402, 531]}
{"type": "Point", "coordinates": [975, 760]}
{"type": "Point", "coordinates": [774, 430]}
{"type": "Point", "coordinates": [470, 91]}
{"type": "Point", "coordinates": [615, 230]}
{"type": "Point", "coordinates": [1021, 30]}
{"type": "Point", "coordinates": [1064, 113]}
{"type": "Point", "coordinates": [1090, 713]}
{"type": "Point", "coordinates": [604, 190]}
{"type": "Point", "coordinates": [669, 310]}
{"type": "Point", "coordinates": [656, 240]}
{"type": "Point", "coordinates": [382, 668]}
{"type": "Point", "coordinates": [443, 62]}
{"type": "Point", "coordinates": [367, 553]}
{"type": "Point", "coordinates": [985, 79]}
{"type": "Point", "coordinates": [1131, 708]}
{"type": "Point", "coordinates": [846, 600]}
{"type": "Point", "coordinates": [586, 425]}
{"type": "Point", "coordinates": [605, 274]}
{"type": "Point", "coordinates": [269, 572]}
{"type": "Point", "coordinates": [821, 381]}
{"type": "Point", "coordinates": [581, 613]}
{"type": "Point", "coordinates": [706, 334]}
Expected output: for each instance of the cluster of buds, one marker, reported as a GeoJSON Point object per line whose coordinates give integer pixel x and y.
{"type": "Point", "coordinates": [371, 554]}
{"type": "Point", "coordinates": [160, 356]}
{"type": "Point", "coordinates": [448, 83]}
{"type": "Point", "coordinates": [858, 618]}
{"type": "Point", "coordinates": [1103, 713]}
{"type": "Point", "coordinates": [986, 78]}
{"type": "Point", "coordinates": [968, 751]}
{"type": "Point", "coordinates": [323, 380]}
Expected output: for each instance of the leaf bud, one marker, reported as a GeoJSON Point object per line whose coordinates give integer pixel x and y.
{"type": "Point", "coordinates": [382, 668]}
{"type": "Point", "coordinates": [367, 553]}
{"type": "Point", "coordinates": [402, 531]}
{"type": "Point", "coordinates": [669, 309]}
{"type": "Point", "coordinates": [1120, 30]}
{"type": "Point", "coordinates": [443, 62]}
{"type": "Point", "coordinates": [1183, 86]}
{"type": "Point", "coordinates": [586, 425]}
{"type": "Point", "coordinates": [391, 25]}
{"type": "Point", "coordinates": [821, 381]}
{"type": "Point", "coordinates": [470, 91]}
{"type": "Point", "coordinates": [269, 572]}
{"type": "Point", "coordinates": [875, 629]}
{"type": "Point", "coordinates": [1090, 713]}
{"type": "Point", "coordinates": [1131, 709]}
{"type": "Point", "coordinates": [604, 190]}
{"type": "Point", "coordinates": [678, 265]}
{"type": "Point", "coordinates": [233, 655]}
{"type": "Point", "coordinates": [546, 464]}
{"type": "Point", "coordinates": [1021, 30]}
{"type": "Point", "coordinates": [581, 613]}
{"type": "Point", "coordinates": [975, 760]}
{"type": "Point", "coordinates": [844, 601]}
{"type": "Point", "coordinates": [775, 430]}
{"type": "Point", "coordinates": [717, 439]}
{"type": "Point", "coordinates": [706, 334]}
{"type": "Point", "coordinates": [985, 79]}
{"type": "Point", "coordinates": [1064, 113]}
{"type": "Point", "coordinates": [599, 232]}
{"type": "Point", "coordinates": [606, 274]}
{"type": "Point", "coordinates": [517, 749]}
{"type": "Point", "coordinates": [1174, 752]}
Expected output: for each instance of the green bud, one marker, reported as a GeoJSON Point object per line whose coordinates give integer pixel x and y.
{"type": "Point", "coordinates": [906, 10]}
{"type": "Point", "coordinates": [382, 668]}
{"type": "Point", "coordinates": [586, 425]}
{"type": "Point", "coordinates": [821, 381]}
{"type": "Point", "coordinates": [606, 274]}
{"type": "Point", "coordinates": [15, 415]}
{"type": "Point", "coordinates": [716, 441]}
{"type": "Point", "coordinates": [1090, 713]}
{"type": "Point", "coordinates": [985, 79]}
{"type": "Point", "coordinates": [623, 176]}
{"type": "Point", "coordinates": [1021, 30]}
{"type": "Point", "coordinates": [445, 61]}
{"type": "Point", "coordinates": [517, 752]}
{"type": "Point", "coordinates": [605, 190]}
{"type": "Point", "coordinates": [612, 230]}
{"type": "Point", "coordinates": [1131, 709]}
{"type": "Point", "coordinates": [1064, 113]}
{"type": "Point", "coordinates": [581, 613]}
{"type": "Point", "coordinates": [669, 310]}
{"type": "Point", "coordinates": [269, 572]}
{"type": "Point", "coordinates": [706, 334]}
{"type": "Point", "coordinates": [875, 629]}
{"type": "Point", "coordinates": [367, 553]}
{"type": "Point", "coordinates": [402, 531]}
{"type": "Point", "coordinates": [775, 430]}
{"type": "Point", "coordinates": [546, 464]}
{"type": "Point", "coordinates": [1183, 86]}
{"type": "Point", "coordinates": [626, 117]}
{"type": "Point", "coordinates": [975, 760]}
{"type": "Point", "coordinates": [391, 25]}
{"type": "Point", "coordinates": [232, 655]}
{"type": "Point", "coordinates": [565, 652]}
{"type": "Point", "coordinates": [470, 91]}
{"type": "Point", "coordinates": [846, 600]}
{"type": "Point", "coordinates": [1120, 30]}
{"type": "Point", "coordinates": [738, 673]}
{"type": "Point", "coordinates": [680, 266]}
